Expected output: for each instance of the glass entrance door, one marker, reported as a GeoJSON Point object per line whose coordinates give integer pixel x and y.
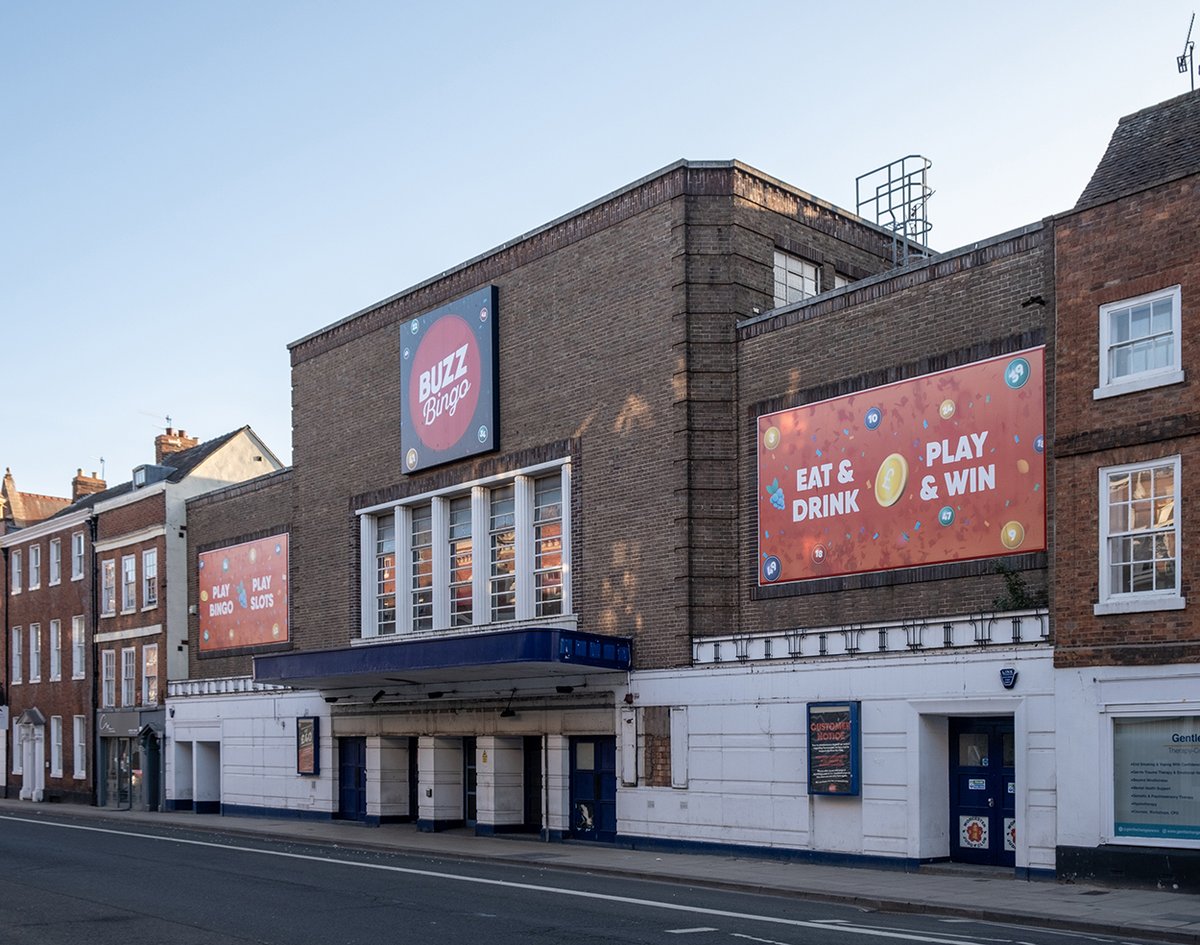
{"type": "Point", "coordinates": [983, 792]}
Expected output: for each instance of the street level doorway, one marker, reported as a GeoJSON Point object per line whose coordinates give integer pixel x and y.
{"type": "Point", "coordinates": [983, 791]}
{"type": "Point", "coordinates": [594, 788]}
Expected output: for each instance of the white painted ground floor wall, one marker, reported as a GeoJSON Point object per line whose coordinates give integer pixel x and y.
{"type": "Point", "coordinates": [747, 758]}
{"type": "Point", "coordinates": [739, 752]}
{"type": "Point", "coordinates": [240, 749]}
{"type": "Point", "coordinates": [1089, 701]}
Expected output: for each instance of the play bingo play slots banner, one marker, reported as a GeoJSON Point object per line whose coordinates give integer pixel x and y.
{"type": "Point", "coordinates": [944, 467]}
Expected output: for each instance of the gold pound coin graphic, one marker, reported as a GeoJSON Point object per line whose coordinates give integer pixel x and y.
{"type": "Point", "coordinates": [1012, 535]}
{"type": "Point", "coordinates": [891, 480]}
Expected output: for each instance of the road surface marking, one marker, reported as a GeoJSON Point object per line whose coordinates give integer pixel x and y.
{"type": "Point", "coordinates": [509, 884]}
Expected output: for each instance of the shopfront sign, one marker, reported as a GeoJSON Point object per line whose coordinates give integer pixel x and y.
{"type": "Point", "coordinates": [243, 594]}
{"type": "Point", "coordinates": [1156, 778]}
{"type": "Point", "coordinates": [449, 377]}
{"type": "Point", "coordinates": [944, 467]}
{"type": "Point", "coordinates": [834, 748]}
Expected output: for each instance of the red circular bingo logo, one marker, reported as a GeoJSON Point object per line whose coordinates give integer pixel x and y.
{"type": "Point", "coordinates": [443, 388]}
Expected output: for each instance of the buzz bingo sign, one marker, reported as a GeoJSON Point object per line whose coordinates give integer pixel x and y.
{"type": "Point", "coordinates": [944, 467]}
{"type": "Point", "coordinates": [449, 402]}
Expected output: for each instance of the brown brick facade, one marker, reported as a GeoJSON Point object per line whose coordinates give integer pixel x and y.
{"type": "Point", "coordinates": [1122, 249]}
{"type": "Point", "coordinates": [230, 516]}
{"type": "Point", "coordinates": [618, 351]}
{"type": "Point", "coordinates": [978, 303]}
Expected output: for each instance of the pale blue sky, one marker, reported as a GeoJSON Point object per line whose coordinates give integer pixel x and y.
{"type": "Point", "coordinates": [187, 187]}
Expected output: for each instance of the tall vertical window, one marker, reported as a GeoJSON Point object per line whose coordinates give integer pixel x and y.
{"type": "Point", "coordinates": [108, 679]}
{"type": "Point", "coordinates": [18, 764]}
{"type": "Point", "coordinates": [16, 654]}
{"type": "Point", "coordinates": [77, 556]}
{"type": "Point", "coordinates": [35, 652]}
{"type": "Point", "coordinates": [108, 588]}
{"type": "Point", "coordinates": [150, 674]}
{"type": "Point", "coordinates": [16, 579]}
{"type": "Point", "coordinates": [1140, 343]}
{"type": "Point", "coordinates": [502, 580]}
{"type": "Point", "coordinates": [385, 575]}
{"type": "Point", "coordinates": [1139, 532]}
{"type": "Point", "coordinates": [547, 546]}
{"type": "Point", "coordinates": [128, 583]}
{"type": "Point", "coordinates": [55, 650]}
{"type": "Point", "coordinates": [129, 676]}
{"type": "Point", "coordinates": [421, 572]}
{"type": "Point", "coordinates": [56, 746]}
{"type": "Point", "coordinates": [55, 561]}
{"type": "Point", "coordinates": [80, 747]}
{"type": "Point", "coordinates": [795, 279]}
{"type": "Point", "coordinates": [35, 566]}
{"type": "Point", "coordinates": [462, 589]}
{"type": "Point", "coordinates": [78, 648]}
{"type": "Point", "coordinates": [150, 577]}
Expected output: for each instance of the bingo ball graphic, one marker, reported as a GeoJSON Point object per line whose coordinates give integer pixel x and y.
{"type": "Point", "coordinates": [771, 438]}
{"type": "Point", "coordinates": [1017, 373]}
{"type": "Point", "coordinates": [771, 568]}
{"type": "Point", "coordinates": [873, 418]}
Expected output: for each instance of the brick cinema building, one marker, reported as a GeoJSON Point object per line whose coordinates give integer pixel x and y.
{"type": "Point", "coordinates": [689, 519]}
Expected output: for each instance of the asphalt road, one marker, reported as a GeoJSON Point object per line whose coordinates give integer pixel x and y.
{"type": "Point", "coordinates": [73, 881]}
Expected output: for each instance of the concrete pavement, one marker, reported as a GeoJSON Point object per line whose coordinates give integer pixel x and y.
{"type": "Point", "coordinates": [1139, 913]}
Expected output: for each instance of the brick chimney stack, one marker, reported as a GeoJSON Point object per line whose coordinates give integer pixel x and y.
{"type": "Point", "coordinates": [83, 485]}
{"type": "Point", "coordinates": [172, 442]}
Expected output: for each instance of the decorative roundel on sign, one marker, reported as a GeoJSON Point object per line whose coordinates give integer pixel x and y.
{"type": "Point", "coordinates": [483, 314]}
{"type": "Point", "coordinates": [1017, 373]}
{"type": "Point", "coordinates": [771, 568]}
{"type": "Point", "coordinates": [410, 459]}
{"type": "Point", "coordinates": [444, 385]}
{"type": "Point", "coordinates": [819, 553]}
{"type": "Point", "coordinates": [873, 418]}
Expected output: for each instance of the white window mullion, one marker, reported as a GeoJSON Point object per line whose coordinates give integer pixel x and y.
{"type": "Point", "coordinates": [441, 564]}
{"type": "Point", "coordinates": [523, 545]}
{"type": "Point", "coordinates": [567, 605]}
{"type": "Point", "coordinates": [366, 554]}
{"type": "Point", "coordinates": [480, 508]}
{"type": "Point", "coordinates": [404, 589]}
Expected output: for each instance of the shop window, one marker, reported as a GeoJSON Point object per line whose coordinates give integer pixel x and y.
{"type": "Point", "coordinates": [795, 279]}
{"type": "Point", "coordinates": [1139, 538]}
{"type": "Point", "coordinates": [1155, 771]}
{"type": "Point", "coordinates": [1140, 341]}
{"type": "Point", "coordinates": [479, 554]}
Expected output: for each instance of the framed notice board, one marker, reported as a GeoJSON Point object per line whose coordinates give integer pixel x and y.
{"type": "Point", "coordinates": [308, 740]}
{"type": "Point", "coordinates": [834, 749]}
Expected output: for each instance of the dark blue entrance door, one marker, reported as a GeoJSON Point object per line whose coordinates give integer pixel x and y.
{"type": "Point", "coordinates": [352, 778]}
{"type": "Point", "coordinates": [983, 791]}
{"type": "Point", "coordinates": [594, 788]}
